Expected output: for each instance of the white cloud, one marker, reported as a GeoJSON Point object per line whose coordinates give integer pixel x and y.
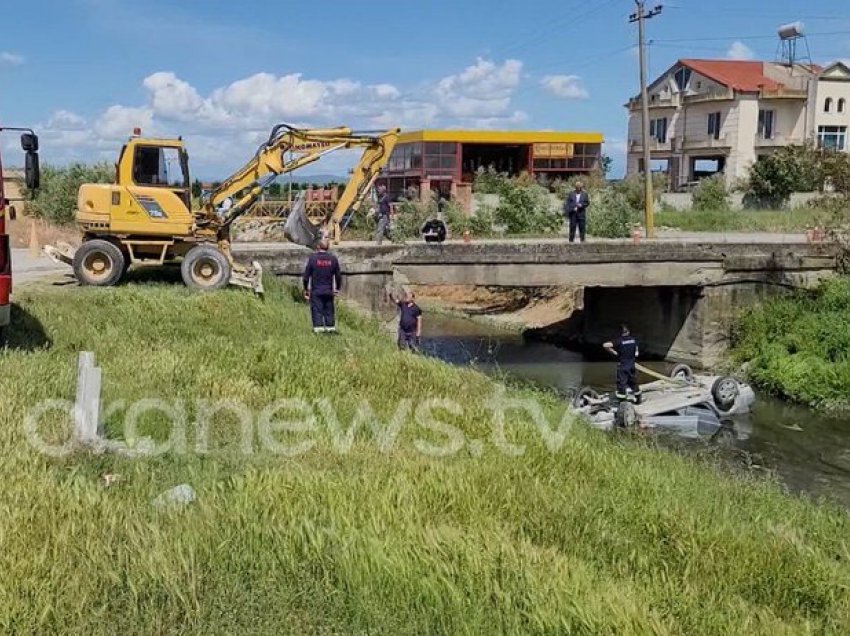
{"type": "Point", "coordinates": [483, 90]}
{"type": "Point", "coordinates": [739, 51]}
{"type": "Point", "coordinates": [225, 125]}
{"type": "Point", "coordinates": [171, 97]}
{"type": "Point", "coordinates": [565, 86]}
{"type": "Point", "coordinates": [66, 120]}
{"type": "Point", "coordinates": [118, 122]}
{"type": "Point", "coordinates": [11, 59]}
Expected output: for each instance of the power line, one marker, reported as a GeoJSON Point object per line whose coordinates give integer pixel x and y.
{"type": "Point", "coordinates": [743, 37]}
{"type": "Point", "coordinates": [535, 38]}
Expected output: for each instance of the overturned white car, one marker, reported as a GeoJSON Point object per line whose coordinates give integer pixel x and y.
{"type": "Point", "coordinates": [688, 404]}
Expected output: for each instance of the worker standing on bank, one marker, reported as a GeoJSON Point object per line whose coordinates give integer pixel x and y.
{"type": "Point", "coordinates": [409, 322]}
{"type": "Point", "coordinates": [384, 212]}
{"type": "Point", "coordinates": [576, 208]}
{"type": "Point", "coordinates": [322, 282]}
{"type": "Point", "coordinates": [626, 349]}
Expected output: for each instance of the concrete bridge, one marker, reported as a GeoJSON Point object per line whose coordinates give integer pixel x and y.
{"type": "Point", "coordinates": [678, 295]}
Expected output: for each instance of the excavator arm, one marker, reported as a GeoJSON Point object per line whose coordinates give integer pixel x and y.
{"type": "Point", "coordinates": [304, 146]}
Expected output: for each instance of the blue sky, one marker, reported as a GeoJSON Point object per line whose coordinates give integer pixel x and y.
{"type": "Point", "coordinates": [221, 73]}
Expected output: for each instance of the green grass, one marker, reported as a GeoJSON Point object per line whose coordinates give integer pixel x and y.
{"type": "Point", "coordinates": [798, 346]}
{"type": "Point", "coordinates": [608, 535]}
{"type": "Point", "coordinates": [797, 220]}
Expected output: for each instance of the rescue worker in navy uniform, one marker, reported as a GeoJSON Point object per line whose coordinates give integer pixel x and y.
{"type": "Point", "coordinates": [322, 282]}
{"type": "Point", "coordinates": [409, 322]}
{"type": "Point", "coordinates": [626, 349]}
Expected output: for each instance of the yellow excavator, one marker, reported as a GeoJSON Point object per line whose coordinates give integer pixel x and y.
{"type": "Point", "coordinates": [146, 216]}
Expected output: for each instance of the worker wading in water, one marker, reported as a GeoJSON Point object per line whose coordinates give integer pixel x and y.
{"type": "Point", "coordinates": [409, 322]}
{"type": "Point", "coordinates": [322, 282]}
{"type": "Point", "coordinates": [626, 349]}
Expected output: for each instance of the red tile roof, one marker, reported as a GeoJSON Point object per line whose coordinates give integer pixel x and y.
{"type": "Point", "coordinates": [742, 76]}
{"type": "Point", "coordinates": [748, 77]}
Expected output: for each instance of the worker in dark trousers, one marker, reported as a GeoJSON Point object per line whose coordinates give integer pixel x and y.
{"type": "Point", "coordinates": [576, 208]}
{"type": "Point", "coordinates": [383, 211]}
{"type": "Point", "coordinates": [322, 282]}
{"type": "Point", "coordinates": [626, 349]}
{"type": "Point", "coordinates": [409, 322]}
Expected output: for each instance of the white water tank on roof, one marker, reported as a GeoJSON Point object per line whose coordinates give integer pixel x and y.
{"type": "Point", "coordinates": [791, 31]}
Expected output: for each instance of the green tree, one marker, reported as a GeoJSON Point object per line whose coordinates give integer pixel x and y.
{"type": "Point", "coordinates": [790, 169]}
{"type": "Point", "coordinates": [56, 199]}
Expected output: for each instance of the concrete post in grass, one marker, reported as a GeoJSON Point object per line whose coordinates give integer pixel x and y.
{"type": "Point", "coordinates": [87, 428]}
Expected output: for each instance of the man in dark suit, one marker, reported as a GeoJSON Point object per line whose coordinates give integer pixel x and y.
{"type": "Point", "coordinates": [576, 208]}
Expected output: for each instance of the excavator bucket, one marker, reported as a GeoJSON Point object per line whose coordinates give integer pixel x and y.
{"type": "Point", "coordinates": [298, 227]}
{"type": "Point", "coordinates": [249, 278]}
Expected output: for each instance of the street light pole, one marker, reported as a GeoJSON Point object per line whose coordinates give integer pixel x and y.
{"type": "Point", "coordinates": [641, 16]}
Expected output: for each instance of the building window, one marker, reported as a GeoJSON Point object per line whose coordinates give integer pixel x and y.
{"type": "Point", "coordinates": [683, 76]}
{"type": "Point", "coordinates": [767, 121]}
{"type": "Point", "coordinates": [658, 129]}
{"type": "Point", "coordinates": [714, 125]}
{"type": "Point", "coordinates": [827, 105]}
{"type": "Point", "coordinates": [832, 137]}
{"type": "Point", "coordinates": [841, 103]}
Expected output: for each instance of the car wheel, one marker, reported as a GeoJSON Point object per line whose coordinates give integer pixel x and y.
{"type": "Point", "coordinates": [205, 268]}
{"type": "Point", "coordinates": [682, 372]}
{"type": "Point", "coordinates": [725, 392]}
{"type": "Point", "coordinates": [98, 263]}
{"type": "Point", "coordinates": [584, 396]}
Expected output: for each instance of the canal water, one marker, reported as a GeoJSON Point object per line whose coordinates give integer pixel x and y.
{"type": "Point", "coordinates": [810, 453]}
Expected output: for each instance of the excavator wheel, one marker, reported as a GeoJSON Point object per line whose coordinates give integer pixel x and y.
{"type": "Point", "coordinates": [99, 263]}
{"type": "Point", "coordinates": [205, 268]}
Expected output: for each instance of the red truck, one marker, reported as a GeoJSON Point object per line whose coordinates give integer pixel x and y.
{"type": "Point", "coordinates": [29, 144]}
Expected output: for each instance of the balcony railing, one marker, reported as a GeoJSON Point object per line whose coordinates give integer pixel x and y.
{"type": "Point", "coordinates": [635, 145]}
{"type": "Point", "coordinates": [778, 141]}
{"type": "Point", "coordinates": [707, 142]}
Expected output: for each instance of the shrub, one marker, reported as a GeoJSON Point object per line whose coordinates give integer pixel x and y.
{"type": "Point", "coordinates": [527, 209]}
{"type": "Point", "coordinates": [409, 219]}
{"type": "Point", "coordinates": [790, 169]}
{"type": "Point", "coordinates": [612, 215]}
{"type": "Point", "coordinates": [56, 199]}
{"type": "Point", "coordinates": [711, 194]}
{"type": "Point", "coordinates": [797, 346]}
{"type": "Point", "coordinates": [490, 182]}
{"type": "Point", "coordinates": [478, 224]}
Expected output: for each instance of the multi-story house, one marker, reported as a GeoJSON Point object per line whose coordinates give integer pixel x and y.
{"type": "Point", "coordinates": [710, 116]}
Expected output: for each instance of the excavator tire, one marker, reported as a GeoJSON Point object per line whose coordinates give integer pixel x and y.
{"type": "Point", "coordinates": [205, 268]}
{"type": "Point", "coordinates": [99, 263]}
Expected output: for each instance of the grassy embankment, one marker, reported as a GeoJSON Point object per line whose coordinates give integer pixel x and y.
{"type": "Point", "coordinates": [798, 346]}
{"type": "Point", "coordinates": [797, 220]}
{"type": "Point", "coordinates": [606, 535]}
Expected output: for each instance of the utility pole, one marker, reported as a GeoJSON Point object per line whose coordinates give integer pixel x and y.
{"type": "Point", "coordinates": [641, 16]}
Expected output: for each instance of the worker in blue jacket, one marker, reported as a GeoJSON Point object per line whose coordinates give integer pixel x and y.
{"type": "Point", "coordinates": [626, 349]}
{"type": "Point", "coordinates": [322, 282]}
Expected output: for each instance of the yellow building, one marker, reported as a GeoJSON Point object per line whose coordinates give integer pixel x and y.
{"type": "Point", "coordinates": [446, 161]}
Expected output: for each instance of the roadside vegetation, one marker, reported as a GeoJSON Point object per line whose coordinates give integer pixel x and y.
{"type": "Point", "coordinates": [56, 199]}
{"type": "Point", "coordinates": [524, 206]}
{"type": "Point", "coordinates": [607, 534]}
{"type": "Point", "coordinates": [798, 346]}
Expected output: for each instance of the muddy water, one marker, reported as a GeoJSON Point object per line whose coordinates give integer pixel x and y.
{"type": "Point", "coordinates": [810, 453]}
